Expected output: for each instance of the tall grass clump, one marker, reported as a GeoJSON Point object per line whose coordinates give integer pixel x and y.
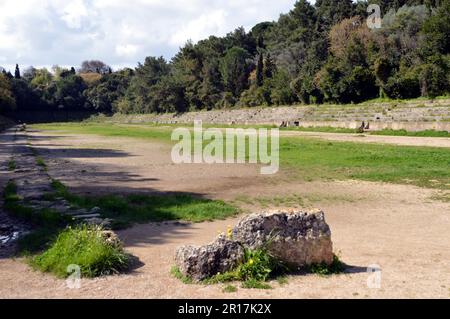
{"type": "Point", "coordinates": [85, 247]}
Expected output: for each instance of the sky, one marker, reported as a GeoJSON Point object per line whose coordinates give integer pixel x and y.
{"type": "Point", "coordinates": [120, 33]}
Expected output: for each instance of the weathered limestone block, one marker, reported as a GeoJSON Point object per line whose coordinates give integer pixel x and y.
{"type": "Point", "coordinates": [297, 238]}
{"type": "Point", "coordinates": [200, 263]}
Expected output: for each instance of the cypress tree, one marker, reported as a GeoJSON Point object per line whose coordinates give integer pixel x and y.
{"type": "Point", "coordinates": [17, 72]}
{"type": "Point", "coordinates": [260, 71]}
{"type": "Point", "coordinates": [270, 67]}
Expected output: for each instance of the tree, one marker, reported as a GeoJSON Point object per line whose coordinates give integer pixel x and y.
{"type": "Point", "coordinates": [347, 76]}
{"type": "Point", "coordinates": [269, 67]}
{"type": "Point", "coordinates": [331, 12]}
{"type": "Point", "coordinates": [235, 70]}
{"type": "Point", "coordinates": [42, 79]}
{"type": "Point", "coordinates": [260, 70]}
{"type": "Point", "coordinates": [433, 80]}
{"type": "Point", "coordinates": [105, 93]}
{"type": "Point", "coordinates": [212, 86]}
{"type": "Point", "coordinates": [17, 72]}
{"type": "Point", "coordinates": [437, 30]}
{"type": "Point", "coordinates": [94, 66]}
{"type": "Point", "coordinates": [145, 77]}
{"type": "Point", "coordinates": [168, 96]}
{"type": "Point", "coordinates": [69, 93]}
{"type": "Point", "coordinates": [29, 74]}
{"type": "Point", "coordinates": [7, 99]}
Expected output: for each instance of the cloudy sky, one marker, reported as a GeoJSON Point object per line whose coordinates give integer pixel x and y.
{"type": "Point", "coordinates": [121, 33]}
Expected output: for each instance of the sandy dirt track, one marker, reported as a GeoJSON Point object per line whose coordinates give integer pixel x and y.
{"type": "Point", "coordinates": [400, 228]}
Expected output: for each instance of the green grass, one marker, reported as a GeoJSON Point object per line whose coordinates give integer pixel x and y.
{"type": "Point", "coordinates": [85, 247]}
{"type": "Point", "coordinates": [337, 267]}
{"type": "Point", "coordinates": [311, 159]}
{"type": "Point", "coordinates": [427, 133]}
{"type": "Point", "coordinates": [255, 284]}
{"type": "Point", "coordinates": [176, 272]}
{"type": "Point", "coordinates": [10, 192]}
{"type": "Point", "coordinates": [321, 129]}
{"type": "Point", "coordinates": [40, 162]}
{"type": "Point", "coordinates": [125, 210]}
{"type": "Point", "coordinates": [282, 280]}
{"type": "Point", "coordinates": [111, 130]}
{"type": "Point", "coordinates": [257, 268]}
{"type": "Point", "coordinates": [229, 289]}
{"type": "Point", "coordinates": [385, 132]}
{"type": "Point", "coordinates": [12, 165]}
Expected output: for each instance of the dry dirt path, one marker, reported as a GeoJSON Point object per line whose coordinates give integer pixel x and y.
{"type": "Point", "coordinates": [378, 139]}
{"type": "Point", "coordinates": [400, 228]}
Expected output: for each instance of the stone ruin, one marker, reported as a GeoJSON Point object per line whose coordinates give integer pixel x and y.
{"type": "Point", "coordinates": [295, 238]}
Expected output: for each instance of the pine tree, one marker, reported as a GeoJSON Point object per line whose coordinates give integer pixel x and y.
{"type": "Point", "coordinates": [260, 71]}
{"type": "Point", "coordinates": [17, 72]}
{"type": "Point", "coordinates": [269, 68]}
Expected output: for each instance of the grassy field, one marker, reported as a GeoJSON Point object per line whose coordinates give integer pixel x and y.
{"type": "Point", "coordinates": [126, 210]}
{"type": "Point", "coordinates": [311, 159]}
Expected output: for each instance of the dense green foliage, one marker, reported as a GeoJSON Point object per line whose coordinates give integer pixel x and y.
{"type": "Point", "coordinates": [322, 52]}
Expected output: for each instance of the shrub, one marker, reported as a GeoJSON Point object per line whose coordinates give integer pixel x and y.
{"type": "Point", "coordinates": [83, 246]}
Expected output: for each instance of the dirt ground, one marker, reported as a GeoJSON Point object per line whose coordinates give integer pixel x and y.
{"type": "Point", "coordinates": [400, 228]}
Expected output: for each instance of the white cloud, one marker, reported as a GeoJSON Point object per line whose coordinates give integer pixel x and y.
{"type": "Point", "coordinates": [74, 12]}
{"type": "Point", "coordinates": [66, 32]}
{"type": "Point", "coordinates": [126, 50]}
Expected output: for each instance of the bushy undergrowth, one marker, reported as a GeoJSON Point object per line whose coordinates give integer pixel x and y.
{"type": "Point", "coordinates": [85, 247]}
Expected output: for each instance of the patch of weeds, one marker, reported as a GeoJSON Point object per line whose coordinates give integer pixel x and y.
{"type": "Point", "coordinates": [337, 267]}
{"type": "Point", "coordinates": [40, 162]}
{"type": "Point", "coordinates": [83, 246]}
{"type": "Point", "coordinates": [176, 272]}
{"type": "Point", "coordinates": [282, 280]}
{"type": "Point", "coordinates": [255, 284]}
{"type": "Point", "coordinates": [257, 268]}
{"type": "Point", "coordinates": [259, 265]}
{"type": "Point", "coordinates": [10, 192]}
{"type": "Point", "coordinates": [12, 165]}
{"type": "Point", "coordinates": [229, 289]}
{"type": "Point", "coordinates": [442, 197]}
